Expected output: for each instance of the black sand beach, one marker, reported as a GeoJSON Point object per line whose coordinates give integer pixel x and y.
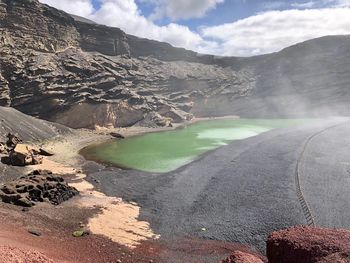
{"type": "Point", "coordinates": [231, 194]}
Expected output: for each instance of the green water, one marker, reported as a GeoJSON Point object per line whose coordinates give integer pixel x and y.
{"type": "Point", "coordinates": [167, 151]}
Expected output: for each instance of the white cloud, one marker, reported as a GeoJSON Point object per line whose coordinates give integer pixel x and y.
{"type": "Point", "coordinates": [309, 4]}
{"type": "Point", "coordinates": [77, 7]}
{"type": "Point", "coordinates": [337, 3]}
{"type": "Point", "coordinates": [274, 30]}
{"type": "Point", "coordinates": [126, 15]}
{"type": "Point", "coordinates": [182, 9]}
{"type": "Point", "coordinates": [263, 33]}
{"type": "Point", "coordinates": [270, 5]}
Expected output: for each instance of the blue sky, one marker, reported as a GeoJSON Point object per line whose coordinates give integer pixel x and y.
{"type": "Point", "coordinates": [226, 12]}
{"type": "Point", "coordinates": [220, 27]}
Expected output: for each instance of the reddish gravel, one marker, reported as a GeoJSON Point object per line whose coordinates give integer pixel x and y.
{"type": "Point", "coordinates": [309, 245]}
{"type": "Point", "coordinates": [17, 255]}
{"type": "Point", "coordinates": [242, 257]}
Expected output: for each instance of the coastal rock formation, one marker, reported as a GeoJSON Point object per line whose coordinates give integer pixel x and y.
{"type": "Point", "coordinates": [81, 74]}
{"type": "Point", "coordinates": [38, 186]}
{"type": "Point", "coordinates": [309, 245]}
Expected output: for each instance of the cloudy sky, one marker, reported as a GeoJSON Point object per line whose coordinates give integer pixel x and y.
{"type": "Point", "coordinates": [220, 27]}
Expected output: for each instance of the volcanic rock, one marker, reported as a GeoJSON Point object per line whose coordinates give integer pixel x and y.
{"type": "Point", "coordinates": [242, 257]}
{"type": "Point", "coordinates": [81, 74]}
{"type": "Point", "coordinates": [12, 141]}
{"type": "Point", "coordinates": [22, 155]}
{"type": "Point", "coordinates": [117, 135]}
{"type": "Point", "coordinates": [309, 245]}
{"type": "Point", "coordinates": [38, 186]}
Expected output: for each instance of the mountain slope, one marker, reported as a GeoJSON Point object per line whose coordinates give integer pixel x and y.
{"type": "Point", "coordinates": [81, 74]}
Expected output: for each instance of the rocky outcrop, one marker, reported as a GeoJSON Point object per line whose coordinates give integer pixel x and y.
{"type": "Point", "coordinates": [72, 71]}
{"type": "Point", "coordinates": [22, 155]}
{"type": "Point", "coordinates": [62, 66]}
{"type": "Point", "coordinates": [38, 186]}
{"type": "Point", "coordinates": [309, 245]}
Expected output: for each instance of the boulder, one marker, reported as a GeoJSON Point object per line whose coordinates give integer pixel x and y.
{"type": "Point", "coordinates": [38, 186]}
{"type": "Point", "coordinates": [23, 155]}
{"type": "Point", "coordinates": [117, 135]}
{"type": "Point", "coordinates": [309, 245]}
{"type": "Point", "coordinates": [12, 140]}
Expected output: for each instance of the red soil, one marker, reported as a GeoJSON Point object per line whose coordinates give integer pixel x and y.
{"type": "Point", "coordinates": [308, 245]}
{"type": "Point", "coordinates": [242, 257]}
{"type": "Point", "coordinates": [17, 255]}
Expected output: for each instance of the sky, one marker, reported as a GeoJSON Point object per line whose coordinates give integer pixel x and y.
{"type": "Point", "coordinates": [219, 27]}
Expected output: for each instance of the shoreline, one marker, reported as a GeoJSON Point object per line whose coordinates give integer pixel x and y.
{"type": "Point", "coordinates": [99, 212]}
{"type": "Point", "coordinates": [68, 160]}
{"type": "Point", "coordinates": [130, 132]}
{"type": "Point", "coordinates": [120, 227]}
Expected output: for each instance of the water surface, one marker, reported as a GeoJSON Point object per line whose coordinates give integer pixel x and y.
{"type": "Point", "coordinates": [169, 150]}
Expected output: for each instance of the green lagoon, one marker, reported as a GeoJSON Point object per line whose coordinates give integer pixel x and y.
{"type": "Point", "coordinates": [166, 151]}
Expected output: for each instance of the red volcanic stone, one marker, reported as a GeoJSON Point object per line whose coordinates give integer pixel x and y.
{"type": "Point", "coordinates": [242, 257]}
{"type": "Point", "coordinates": [309, 245]}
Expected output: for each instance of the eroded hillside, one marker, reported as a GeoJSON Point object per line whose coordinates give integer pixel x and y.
{"type": "Point", "coordinates": [85, 75]}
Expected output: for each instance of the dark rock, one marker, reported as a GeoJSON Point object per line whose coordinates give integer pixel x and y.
{"type": "Point", "coordinates": [34, 232]}
{"type": "Point", "coordinates": [12, 140]}
{"type": "Point", "coordinates": [22, 155]}
{"type": "Point", "coordinates": [117, 135]}
{"type": "Point", "coordinates": [25, 209]}
{"type": "Point", "coordinates": [6, 160]}
{"type": "Point", "coordinates": [38, 186]}
{"type": "Point", "coordinates": [40, 172]}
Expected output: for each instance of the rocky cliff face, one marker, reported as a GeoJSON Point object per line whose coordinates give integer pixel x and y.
{"type": "Point", "coordinates": [85, 75]}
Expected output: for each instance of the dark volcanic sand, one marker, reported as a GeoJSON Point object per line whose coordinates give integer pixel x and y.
{"type": "Point", "coordinates": [244, 191]}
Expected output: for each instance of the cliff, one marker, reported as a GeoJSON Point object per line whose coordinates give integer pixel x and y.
{"type": "Point", "coordinates": [72, 71]}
